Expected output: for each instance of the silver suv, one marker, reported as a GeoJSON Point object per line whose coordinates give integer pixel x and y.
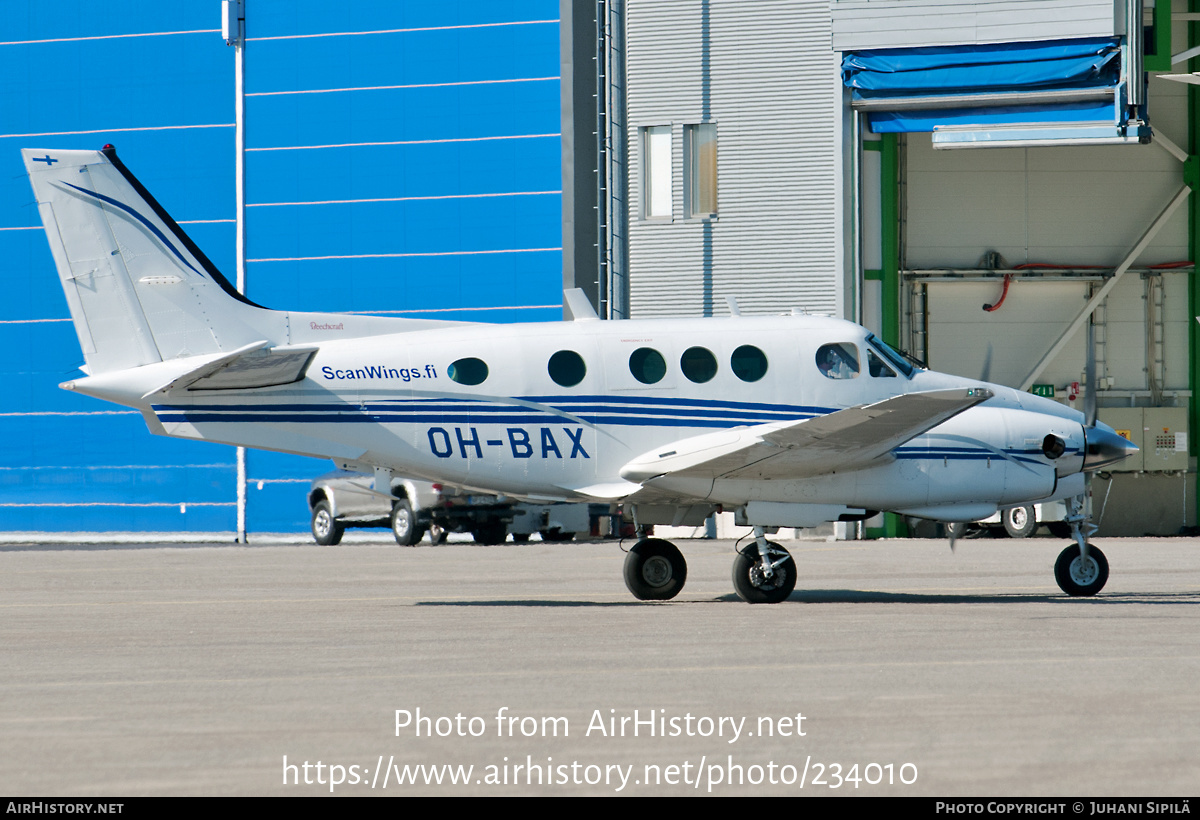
{"type": "Point", "coordinates": [344, 499]}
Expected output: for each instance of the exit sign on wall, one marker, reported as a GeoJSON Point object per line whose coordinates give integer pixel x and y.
{"type": "Point", "coordinates": [1046, 390]}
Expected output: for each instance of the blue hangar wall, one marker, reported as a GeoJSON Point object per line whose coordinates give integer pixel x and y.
{"type": "Point", "coordinates": [403, 158]}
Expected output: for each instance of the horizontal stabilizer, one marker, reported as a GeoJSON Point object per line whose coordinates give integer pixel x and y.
{"type": "Point", "coordinates": [248, 367]}
{"type": "Point", "coordinates": [846, 440]}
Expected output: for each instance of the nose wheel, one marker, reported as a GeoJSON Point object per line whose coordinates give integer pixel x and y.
{"type": "Point", "coordinates": [1081, 575]}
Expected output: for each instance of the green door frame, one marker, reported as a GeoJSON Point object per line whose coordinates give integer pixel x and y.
{"type": "Point", "coordinates": [888, 147]}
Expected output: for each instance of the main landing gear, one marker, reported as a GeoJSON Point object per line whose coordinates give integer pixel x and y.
{"type": "Point", "coordinates": [1081, 569]}
{"type": "Point", "coordinates": [655, 570]}
{"type": "Point", "coordinates": [762, 574]}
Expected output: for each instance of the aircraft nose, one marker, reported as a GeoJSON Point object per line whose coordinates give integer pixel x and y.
{"type": "Point", "coordinates": [1104, 447]}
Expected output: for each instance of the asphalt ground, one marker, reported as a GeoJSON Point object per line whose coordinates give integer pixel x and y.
{"type": "Point", "coordinates": [289, 669]}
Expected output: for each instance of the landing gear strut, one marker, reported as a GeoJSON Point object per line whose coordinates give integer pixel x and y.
{"type": "Point", "coordinates": [1081, 569]}
{"type": "Point", "coordinates": [765, 573]}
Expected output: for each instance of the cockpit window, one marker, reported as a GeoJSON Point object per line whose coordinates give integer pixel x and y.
{"type": "Point", "coordinates": [838, 360]}
{"type": "Point", "coordinates": [877, 368]}
{"type": "Point", "coordinates": [892, 357]}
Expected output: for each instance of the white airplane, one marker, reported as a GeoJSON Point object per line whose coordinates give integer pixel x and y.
{"type": "Point", "coordinates": [789, 421]}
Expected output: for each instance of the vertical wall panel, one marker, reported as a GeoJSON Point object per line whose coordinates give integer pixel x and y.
{"type": "Point", "coordinates": [74, 77]}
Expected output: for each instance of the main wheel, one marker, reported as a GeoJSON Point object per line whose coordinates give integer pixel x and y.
{"type": "Point", "coordinates": [326, 531]}
{"type": "Point", "coordinates": [655, 570]}
{"type": "Point", "coordinates": [1020, 522]}
{"type": "Point", "coordinates": [1079, 577]}
{"type": "Point", "coordinates": [751, 582]}
{"type": "Point", "coordinates": [403, 525]}
{"type": "Point", "coordinates": [555, 535]}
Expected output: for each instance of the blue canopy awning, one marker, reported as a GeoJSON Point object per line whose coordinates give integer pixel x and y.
{"type": "Point", "coordinates": [902, 122]}
{"type": "Point", "coordinates": [920, 89]}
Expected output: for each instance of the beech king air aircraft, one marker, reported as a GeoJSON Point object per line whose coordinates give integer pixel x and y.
{"type": "Point", "coordinates": [789, 421]}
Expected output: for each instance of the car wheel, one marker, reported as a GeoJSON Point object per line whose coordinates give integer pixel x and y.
{"type": "Point", "coordinates": [326, 531]}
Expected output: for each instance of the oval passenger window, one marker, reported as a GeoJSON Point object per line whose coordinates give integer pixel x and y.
{"type": "Point", "coordinates": [566, 367]}
{"type": "Point", "coordinates": [698, 364]}
{"type": "Point", "coordinates": [468, 371]}
{"type": "Point", "coordinates": [748, 363]}
{"type": "Point", "coordinates": [647, 365]}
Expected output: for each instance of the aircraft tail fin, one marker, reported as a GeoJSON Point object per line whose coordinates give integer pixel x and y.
{"type": "Point", "coordinates": [139, 290]}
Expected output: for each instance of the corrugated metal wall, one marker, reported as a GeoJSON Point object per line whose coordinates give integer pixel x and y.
{"type": "Point", "coordinates": [403, 158]}
{"type": "Point", "coordinates": [862, 24]}
{"type": "Point", "coordinates": [763, 72]}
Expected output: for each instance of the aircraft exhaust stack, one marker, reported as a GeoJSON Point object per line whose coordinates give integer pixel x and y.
{"type": "Point", "coordinates": [1053, 446]}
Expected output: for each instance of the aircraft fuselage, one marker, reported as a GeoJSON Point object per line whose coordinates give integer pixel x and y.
{"type": "Point", "coordinates": [400, 401]}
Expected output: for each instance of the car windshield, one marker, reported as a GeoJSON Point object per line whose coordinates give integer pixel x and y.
{"type": "Point", "coordinates": [892, 356]}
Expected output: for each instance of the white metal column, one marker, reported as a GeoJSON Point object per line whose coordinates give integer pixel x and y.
{"type": "Point", "coordinates": [233, 29]}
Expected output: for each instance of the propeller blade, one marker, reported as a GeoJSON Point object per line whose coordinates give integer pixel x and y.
{"type": "Point", "coordinates": [953, 531]}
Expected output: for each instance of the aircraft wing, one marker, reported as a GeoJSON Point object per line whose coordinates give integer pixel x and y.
{"type": "Point", "coordinates": [846, 440]}
{"type": "Point", "coordinates": [254, 365]}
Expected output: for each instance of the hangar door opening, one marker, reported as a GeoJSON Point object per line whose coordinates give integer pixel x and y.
{"type": "Point", "coordinates": [1001, 253]}
{"type": "Point", "coordinates": [1006, 259]}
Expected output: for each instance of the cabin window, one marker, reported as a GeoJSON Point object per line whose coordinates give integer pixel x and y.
{"type": "Point", "coordinates": [877, 368]}
{"type": "Point", "coordinates": [748, 363]}
{"type": "Point", "coordinates": [647, 365]}
{"type": "Point", "coordinates": [468, 371]}
{"type": "Point", "coordinates": [838, 360]}
{"type": "Point", "coordinates": [566, 367]}
{"type": "Point", "coordinates": [698, 364]}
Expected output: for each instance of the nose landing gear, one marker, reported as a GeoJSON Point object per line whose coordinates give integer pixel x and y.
{"type": "Point", "coordinates": [1081, 569]}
